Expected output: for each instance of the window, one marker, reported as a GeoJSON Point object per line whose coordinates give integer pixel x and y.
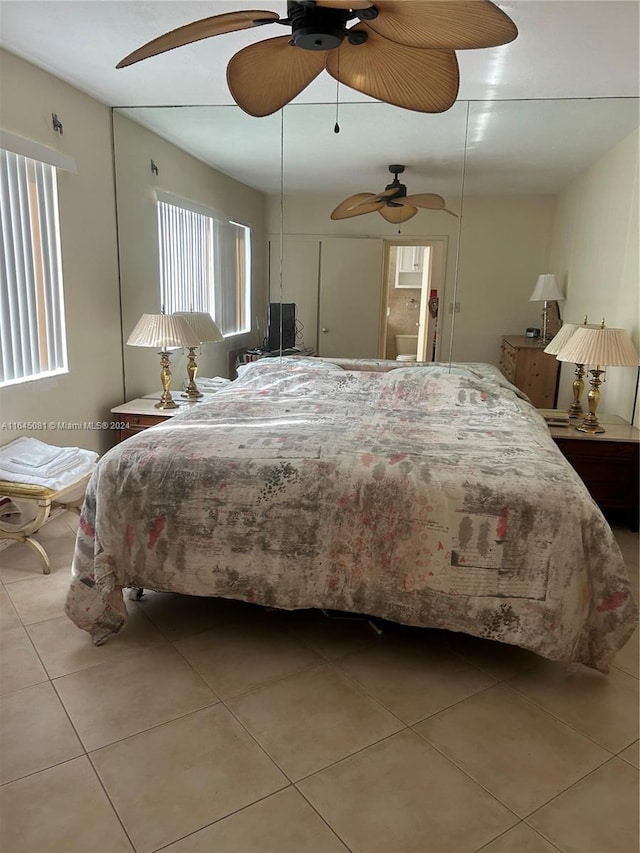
{"type": "Point", "coordinates": [32, 327]}
{"type": "Point", "coordinates": [205, 265]}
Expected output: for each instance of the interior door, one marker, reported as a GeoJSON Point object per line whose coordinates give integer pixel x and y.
{"type": "Point", "coordinates": [351, 271]}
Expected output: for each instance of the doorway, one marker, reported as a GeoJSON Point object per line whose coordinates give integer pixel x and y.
{"type": "Point", "coordinates": [412, 294]}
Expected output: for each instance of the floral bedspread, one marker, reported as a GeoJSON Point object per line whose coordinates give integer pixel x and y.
{"type": "Point", "coordinates": [426, 495]}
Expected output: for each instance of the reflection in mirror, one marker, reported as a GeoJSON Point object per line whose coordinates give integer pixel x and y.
{"type": "Point", "coordinates": [285, 181]}
{"type": "Point", "coordinates": [414, 280]}
{"type": "Point", "coordinates": [182, 154]}
{"type": "Point", "coordinates": [337, 271]}
{"type": "Point", "coordinates": [550, 187]}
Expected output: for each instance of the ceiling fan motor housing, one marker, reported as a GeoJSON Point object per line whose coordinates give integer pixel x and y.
{"type": "Point", "coordinates": [317, 27]}
{"type": "Point", "coordinates": [395, 184]}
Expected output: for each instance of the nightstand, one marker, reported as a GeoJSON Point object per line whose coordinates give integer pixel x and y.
{"type": "Point", "coordinates": [607, 462]}
{"type": "Point", "coordinates": [136, 415]}
{"type": "Point", "coordinates": [140, 414]}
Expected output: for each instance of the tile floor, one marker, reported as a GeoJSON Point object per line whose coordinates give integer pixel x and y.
{"type": "Point", "coordinates": [222, 727]}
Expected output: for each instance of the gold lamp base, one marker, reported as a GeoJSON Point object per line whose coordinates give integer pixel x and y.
{"type": "Point", "coordinates": [575, 410]}
{"type": "Point", "coordinates": [590, 423]}
{"type": "Point", "coordinates": [168, 403]}
{"type": "Point", "coordinates": [590, 427]}
{"type": "Point", "coordinates": [166, 400]}
{"type": "Point", "coordinates": [192, 393]}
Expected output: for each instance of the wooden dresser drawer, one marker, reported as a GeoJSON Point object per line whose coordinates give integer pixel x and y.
{"type": "Point", "coordinates": [507, 361]}
{"type": "Point", "coordinates": [509, 352]}
{"type": "Point", "coordinates": [507, 370]}
{"type": "Point", "coordinates": [138, 422]}
{"type": "Point", "coordinates": [524, 362]}
{"type": "Point", "coordinates": [131, 423]}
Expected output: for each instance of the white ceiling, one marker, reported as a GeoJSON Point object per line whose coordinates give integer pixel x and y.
{"type": "Point", "coordinates": [566, 49]}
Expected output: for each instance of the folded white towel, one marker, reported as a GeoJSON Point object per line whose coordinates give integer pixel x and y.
{"type": "Point", "coordinates": [64, 460]}
{"type": "Point", "coordinates": [68, 465]}
{"type": "Point", "coordinates": [38, 458]}
{"type": "Point", "coordinates": [29, 451]}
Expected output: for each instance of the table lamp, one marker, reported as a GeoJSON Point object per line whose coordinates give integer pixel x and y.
{"type": "Point", "coordinates": [558, 342]}
{"type": "Point", "coordinates": [207, 332]}
{"type": "Point", "coordinates": [599, 347]}
{"type": "Point", "coordinates": [165, 332]}
{"type": "Point", "coordinates": [546, 290]}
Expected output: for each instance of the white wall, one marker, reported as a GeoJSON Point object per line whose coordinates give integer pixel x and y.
{"type": "Point", "coordinates": [183, 175]}
{"type": "Point", "coordinates": [504, 247]}
{"type": "Point", "coordinates": [594, 253]}
{"type": "Point", "coordinates": [28, 97]}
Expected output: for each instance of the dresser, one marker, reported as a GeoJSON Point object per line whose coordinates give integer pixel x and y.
{"type": "Point", "coordinates": [524, 363]}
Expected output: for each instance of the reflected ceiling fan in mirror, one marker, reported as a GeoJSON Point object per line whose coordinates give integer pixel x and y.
{"type": "Point", "coordinates": [393, 204]}
{"type": "Point", "coordinates": [400, 52]}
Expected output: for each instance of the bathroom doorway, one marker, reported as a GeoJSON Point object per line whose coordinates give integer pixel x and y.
{"type": "Point", "coordinates": [413, 287]}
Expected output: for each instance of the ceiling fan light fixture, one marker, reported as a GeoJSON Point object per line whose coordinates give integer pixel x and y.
{"type": "Point", "coordinates": [401, 52]}
{"type": "Point", "coordinates": [393, 204]}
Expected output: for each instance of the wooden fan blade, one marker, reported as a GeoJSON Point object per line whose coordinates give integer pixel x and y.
{"type": "Point", "coordinates": [398, 214]}
{"type": "Point", "coordinates": [387, 194]}
{"type": "Point", "coordinates": [214, 26]}
{"type": "Point", "coordinates": [422, 80]}
{"type": "Point", "coordinates": [377, 197]}
{"type": "Point", "coordinates": [444, 24]}
{"type": "Point", "coordinates": [426, 201]}
{"type": "Point", "coordinates": [345, 4]}
{"type": "Point", "coordinates": [265, 76]}
{"type": "Point", "coordinates": [356, 205]}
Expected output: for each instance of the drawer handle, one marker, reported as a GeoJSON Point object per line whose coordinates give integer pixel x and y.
{"type": "Point", "coordinates": [136, 420]}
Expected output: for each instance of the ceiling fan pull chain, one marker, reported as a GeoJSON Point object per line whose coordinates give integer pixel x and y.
{"type": "Point", "coordinates": [336, 127]}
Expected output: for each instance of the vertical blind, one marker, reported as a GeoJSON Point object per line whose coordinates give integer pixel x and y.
{"type": "Point", "coordinates": [204, 266]}
{"type": "Point", "coordinates": [32, 326]}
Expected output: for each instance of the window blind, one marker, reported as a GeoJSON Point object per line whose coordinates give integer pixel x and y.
{"type": "Point", "coordinates": [204, 266]}
{"type": "Point", "coordinates": [186, 259]}
{"type": "Point", "coordinates": [32, 324]}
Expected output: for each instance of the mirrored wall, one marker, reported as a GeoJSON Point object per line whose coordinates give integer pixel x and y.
{"type": "Point", "coordinates": [530, 186]}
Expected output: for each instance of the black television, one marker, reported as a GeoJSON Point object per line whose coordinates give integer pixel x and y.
{"type": "Point", "coordinates": [281, 313]}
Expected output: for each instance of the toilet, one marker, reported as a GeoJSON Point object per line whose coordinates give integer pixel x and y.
{"type": "Point", "coordinates": [407, 347]}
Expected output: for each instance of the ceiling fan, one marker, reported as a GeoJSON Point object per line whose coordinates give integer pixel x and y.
{"type": "Point", "coordinates": [393, 204]}
{"type": "Point", "coordinates": [400, 52]}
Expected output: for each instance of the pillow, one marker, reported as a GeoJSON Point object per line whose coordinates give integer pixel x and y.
{"type": "Point", "coordinates": [271, 362]}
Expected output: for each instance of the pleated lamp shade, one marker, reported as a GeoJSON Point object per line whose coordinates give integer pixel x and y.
{"type": "Point", "coordinates": [203, 325]}
{"type": "Point", "coordinates": [546, 289]}
{"type": "Point", "coordinates": [559, 341]}
{"type": "Point", "coordinates": [163, 331]}
{"type": "Point", "coordinates": [607, 347]}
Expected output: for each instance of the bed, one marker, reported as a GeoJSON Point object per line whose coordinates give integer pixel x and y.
{"type": "Point", "coordinates": [429, 495]}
